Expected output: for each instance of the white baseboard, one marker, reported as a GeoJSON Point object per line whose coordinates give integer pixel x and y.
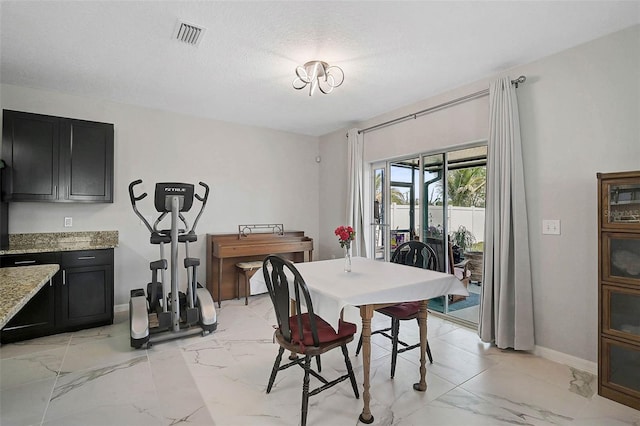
{"type": "Point", "coordinates": [570, 360]}
{"type": "Point", "coordinates": [121, 308]}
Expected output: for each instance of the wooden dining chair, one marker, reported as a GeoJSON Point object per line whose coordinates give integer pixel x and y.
{"type": "Point", "coordinates": [416, 254]}
{"type": "Point", "coordinates": [303, 332]}
{"type": "Point", "coordinates": [461, 271]}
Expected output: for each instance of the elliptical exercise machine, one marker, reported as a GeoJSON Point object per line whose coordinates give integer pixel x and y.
{"type": "Point", "coordinates": [165, 308]}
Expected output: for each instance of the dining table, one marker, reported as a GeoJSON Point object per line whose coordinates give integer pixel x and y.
{"type": "Point", "coordinates": [371, 284]}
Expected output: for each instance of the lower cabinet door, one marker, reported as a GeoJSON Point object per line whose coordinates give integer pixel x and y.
{"type": "Point", "coordinates": [35, 319]}
{"type": "Point", "coordinates": [86, 296]}
{"type": "Point", "coordinates": [619, 375]}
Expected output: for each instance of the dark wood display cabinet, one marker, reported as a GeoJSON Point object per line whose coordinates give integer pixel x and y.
{"type": "Point", "coordinates": [619, 287]}
{"type": "Point", "coordinates": [56, 159]}
{"type": "Point", "coordinates": [79, 296]}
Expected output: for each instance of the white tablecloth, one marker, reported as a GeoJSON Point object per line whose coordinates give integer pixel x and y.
{"type": "Point", "coordinates": [369, 282]}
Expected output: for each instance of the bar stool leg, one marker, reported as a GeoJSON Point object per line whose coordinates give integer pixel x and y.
{"type": "Point", "coordinates": [246, 288]}
{"type": "Point", "coordinates": [238, 283]}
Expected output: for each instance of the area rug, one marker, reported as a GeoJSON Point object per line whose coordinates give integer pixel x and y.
{"type": "Point", "coordinates": [437, 303]}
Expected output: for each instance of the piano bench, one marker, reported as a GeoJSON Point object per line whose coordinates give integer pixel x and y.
{"type": "Point", "coordinates": [246, 269]}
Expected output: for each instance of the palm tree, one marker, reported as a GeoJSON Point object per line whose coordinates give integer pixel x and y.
{"type": "Point", "coordinates": [396, 196]}
{"type": "Point", "coordinates": [466, 187]}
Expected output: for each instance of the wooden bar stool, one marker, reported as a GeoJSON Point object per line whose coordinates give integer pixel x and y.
{"type": "Point", "coordinates": [246, 269]}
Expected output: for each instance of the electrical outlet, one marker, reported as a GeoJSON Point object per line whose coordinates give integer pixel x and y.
{"type": "Point", "coordinates": [551, 227]}
{"type": "Point", "coordinates": [68, 222]}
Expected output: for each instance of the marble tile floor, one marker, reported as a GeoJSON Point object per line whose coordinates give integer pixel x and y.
{"type": "Point", "coordinates": [93, 377]}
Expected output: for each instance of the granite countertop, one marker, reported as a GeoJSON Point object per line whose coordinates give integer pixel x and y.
{"type": "Point", "coordinates": [19, 284]}
{"type": "Point", "coordinates": [60, 241]}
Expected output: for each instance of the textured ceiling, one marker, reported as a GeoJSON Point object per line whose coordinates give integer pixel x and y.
{"type": "Point", "coordinates": [392, 53]}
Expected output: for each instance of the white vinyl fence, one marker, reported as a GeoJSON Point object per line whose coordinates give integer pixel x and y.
{"type": "Point", "coordinates": [471, 218]}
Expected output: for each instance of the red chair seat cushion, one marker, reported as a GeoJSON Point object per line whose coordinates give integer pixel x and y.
{"type": "Point", "coordinates": [326, 333]}
{"type": "Point", "coordinates": [406, 310]}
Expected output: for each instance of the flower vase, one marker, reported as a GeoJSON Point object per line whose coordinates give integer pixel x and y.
{"type": "Point", "coordinates": [347, 259]}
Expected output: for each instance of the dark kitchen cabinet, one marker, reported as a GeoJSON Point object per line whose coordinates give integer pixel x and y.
{"type": "Point", "coordinates": [80, 294]}
{"type": "Point", "coordinates": [37, 317]}
{"type": "Point", "coordinates": [56, 159]}
{"type": "Point", "coordinates": [86, 293]}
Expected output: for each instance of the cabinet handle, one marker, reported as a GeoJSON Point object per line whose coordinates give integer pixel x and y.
{"type": "Point", "coordinates": [24, 262]}
{"type": "Point", "coordinates": [86, 257]}
{"type": "Point", "coordinates": [64, 277]}
{"type": "Point", "coordinates": [55, 190]}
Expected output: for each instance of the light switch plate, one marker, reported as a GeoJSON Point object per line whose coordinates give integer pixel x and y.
{"type": "Point", "coordinates": [551, 226]}
{"type": "Point", "coordinates": [68, 222]}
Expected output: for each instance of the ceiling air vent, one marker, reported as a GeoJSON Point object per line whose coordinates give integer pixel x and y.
{"type": "Point", "coordinates": [188, 33]}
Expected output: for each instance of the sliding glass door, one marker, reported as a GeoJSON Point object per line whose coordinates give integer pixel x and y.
{"type": "Point", "coordinates": [380, 224]}
{"type": "Point", "coordinates": [437, 198]}
{"type": "Point", "coordinates": [434, 201]}
{"type": "Point", "coordinates": [404, 201]}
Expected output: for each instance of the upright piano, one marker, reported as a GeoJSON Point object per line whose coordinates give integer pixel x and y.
{"type": "Point", "coordinates": [225, 250]}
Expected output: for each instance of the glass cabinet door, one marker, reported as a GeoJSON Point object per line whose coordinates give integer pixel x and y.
{"type": "Point", "coordinates": [621, 203]}
{"type": "Point", "coordinates": [623, 372]}
{"type": "Point", "coordinates": [621, 257]}
{"type": "Point", "coordinates": [621, 312]}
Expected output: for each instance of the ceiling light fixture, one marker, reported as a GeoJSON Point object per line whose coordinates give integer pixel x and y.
{"type": "Point", "coordinates": [318, 74]}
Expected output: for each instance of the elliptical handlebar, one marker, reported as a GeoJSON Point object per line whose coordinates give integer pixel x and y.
{"type": "Point", "coordinates": [203, 200]}
{"type": "Point", "coordinates": [206, 193]}
{"type": "Point", "coordinates": [138, 198]}
{"type": "Point", "coordinates": [131, 195]}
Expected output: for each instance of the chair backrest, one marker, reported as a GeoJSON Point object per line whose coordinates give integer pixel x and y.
{"type": "Point", "coordinates": [416, 253]}
{"type": "Point", "coordinates": [281, 278]}
{"type": "Point", "coordinates": [438, 247]}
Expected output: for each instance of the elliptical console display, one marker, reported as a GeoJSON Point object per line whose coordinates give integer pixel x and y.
{"type": "Point", "coordinates": [163, 312]}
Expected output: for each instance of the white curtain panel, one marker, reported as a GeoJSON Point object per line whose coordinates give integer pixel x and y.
{"type": "Point", "coordinates": [506, 308]}
{"type": "Point", "coordinates": [355, 191]}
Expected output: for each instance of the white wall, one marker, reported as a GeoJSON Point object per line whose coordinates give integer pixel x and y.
{"type": "Point", "coordinates": [579, 114]}
{"type": "Point", "coordinates": [256, 176]}
{"type": "Point", "coordinates": [332, 192]}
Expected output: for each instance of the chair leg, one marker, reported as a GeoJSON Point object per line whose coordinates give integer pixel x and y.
{"type": "Point", "coordinates": [318, 363]}
{"type": "Point", "coordinates": [352, 377]}
{"type": "Point", "coordinates": [276, 365]}
{"type": "Point", "coordinates": [305, 390]}
{"type": "Point", "coordinates": [395, 330]}
{"type": "Point", "coordinates": [359, 345]}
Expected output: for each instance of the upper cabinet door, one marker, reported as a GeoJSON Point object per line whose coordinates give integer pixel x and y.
{"type": "Point", "coordinates": [86, 161]}
{"type": "Point", "coordinates": [56, 159]}
{"type": "Point", "coordinates": [619, 201]}
{"type": "Point", "coordinates": [30, 147]}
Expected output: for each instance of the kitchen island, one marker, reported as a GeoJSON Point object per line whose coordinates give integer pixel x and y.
{"type": "Point", "coordinates": [19, 284]}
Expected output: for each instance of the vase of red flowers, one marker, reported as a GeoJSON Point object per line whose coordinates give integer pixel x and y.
{"type": "Point", "coordinates": [346, 234]}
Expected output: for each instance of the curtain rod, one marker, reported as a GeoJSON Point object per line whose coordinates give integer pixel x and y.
{"type": "Point", "coordinates": [475, 95]}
